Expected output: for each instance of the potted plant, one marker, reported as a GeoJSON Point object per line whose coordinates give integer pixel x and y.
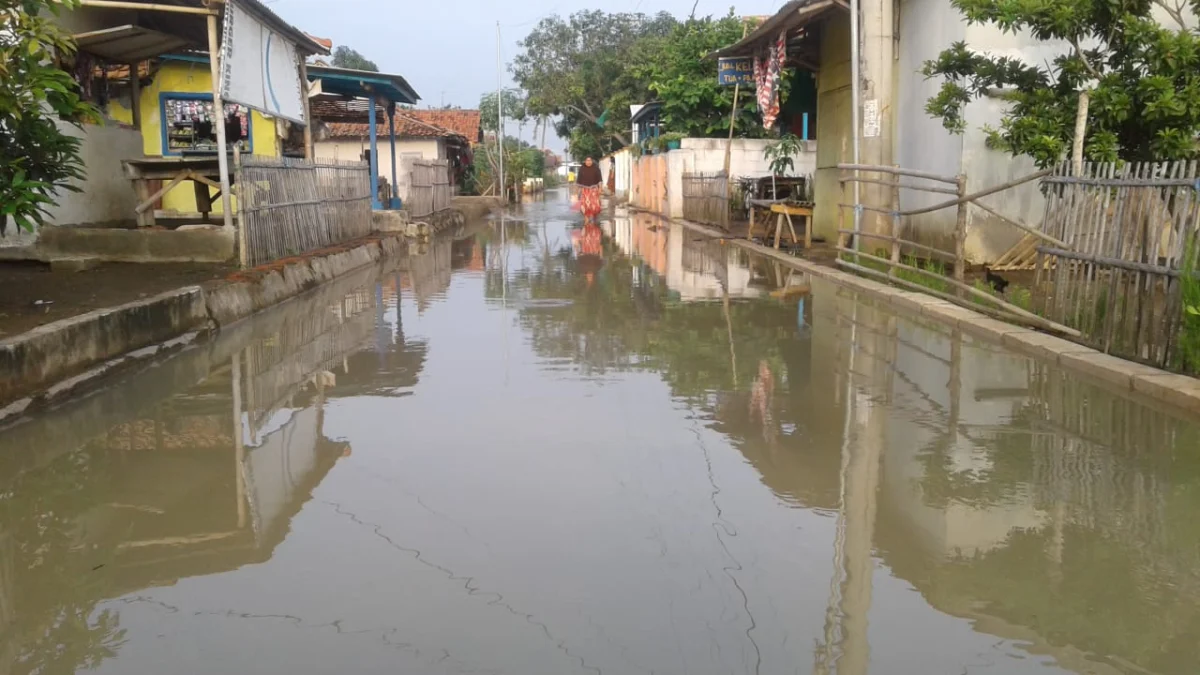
{"type": "Point", "coordinates": [780, 157]}
{"type": "Point", "coordinates": [780, 154]}
{"type": "Point", "coordinates": [671, 141]}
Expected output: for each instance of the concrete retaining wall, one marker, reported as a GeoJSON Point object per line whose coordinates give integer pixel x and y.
{"type": "Point", "coordinates": [32, 363]}
{"type": "Point", "coordinates": [57, 350]}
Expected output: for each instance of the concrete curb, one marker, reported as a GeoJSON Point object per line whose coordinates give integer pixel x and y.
{"type": "Point", "coordinates": [60, 359]}
{"type": "Point", "coordinates": [1158, 385]}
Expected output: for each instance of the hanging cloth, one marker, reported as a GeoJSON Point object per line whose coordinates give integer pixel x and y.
{"type": "Point", "coordinates": [767, 69]}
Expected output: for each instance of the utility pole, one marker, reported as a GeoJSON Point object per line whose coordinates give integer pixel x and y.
{"type": "Point", "coordinates": [500, 113]}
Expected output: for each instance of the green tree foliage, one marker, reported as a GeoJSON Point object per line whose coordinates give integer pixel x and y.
{"type": "Point", "coordinates": [345, 57]}
{"type": "Point", "coordinates": [1143, 77]}
{"type": "Point", "coordinates": [588, 69]}
{"type": "Point", "coordinates": [521, 161]}
{"type": "Point", "coordinates": [36, 157]}
{"type": "Point", "coordinates": [678, 74]}
{"type": "Point", "coordinates": [577, 68]}
{"type": "Point", "coordinates": [514, 108]}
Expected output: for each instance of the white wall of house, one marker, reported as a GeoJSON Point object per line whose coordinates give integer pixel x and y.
{"type": "Point", "coordinates": [352, 149]}
{"type": "Point", "coordinates": [745, 159]}
{"type": "Point", "coordinates": [920, 142]}
{"type": "Point", "coordinates": [106, 194]}
{"type": "Point", "coordinates": [624, 168]}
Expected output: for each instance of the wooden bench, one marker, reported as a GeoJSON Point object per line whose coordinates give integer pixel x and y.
{"type": "Point", "coordinates": [783, 214]}
{"type": "Point", "coordinates": [202, 171]}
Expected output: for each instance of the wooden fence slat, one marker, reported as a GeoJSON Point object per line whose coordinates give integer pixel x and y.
{"type": "Point", "coordinates": [704, 198]}
{"type": "Point", "coordinates": [292, 206]}
{"type": "Point", "coordinates": [1118, 281]}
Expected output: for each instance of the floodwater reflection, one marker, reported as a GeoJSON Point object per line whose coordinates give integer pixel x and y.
{"type": "Point", "coordinates": [531, 448]}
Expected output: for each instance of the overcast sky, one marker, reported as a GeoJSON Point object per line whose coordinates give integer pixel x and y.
{"type": "Point", "coordinates": [447, 48]}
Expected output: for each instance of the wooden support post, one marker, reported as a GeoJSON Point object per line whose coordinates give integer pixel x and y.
{"type": "Point", "coordinates": [142, 187]}
{"type": "Point", "coordinates": [842, 236]}
{"type": "Point", "coordinates": [393, 197]}
{"type": "Point", "coordinates": [214, 55]}
{"type": "Point", "coordinates": [374, 133]}
{"type": "Point", "coordinates": [960, 234]}
{"type": "Point", "coordinates": [308, 120]}
{"type": "Point", "coordinates": [895, 223]}
{"type": "Point", "coordinates": [135, 95]}
{"type": "Point", "coordinates": [737, 89]}
{"type": "Point", "coordinates": [243, 235]}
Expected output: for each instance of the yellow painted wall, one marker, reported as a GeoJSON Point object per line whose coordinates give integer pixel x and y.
{"type": "Point", "coordinates": [834, 131]}
{"type": "Point", "coordinates": [190, 78]}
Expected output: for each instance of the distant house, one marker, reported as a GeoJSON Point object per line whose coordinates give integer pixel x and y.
{"type": "Point", "coordinates": [415, 138]}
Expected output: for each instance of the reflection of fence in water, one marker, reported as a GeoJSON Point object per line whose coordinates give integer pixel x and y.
{"type": "Point", "coordinates": [704, 256]}
{"type": "Point", "coordinates": [430, 270]}
{"type": "Point", "coordinates": [704, 198]}
{"type": "Point", "coordinates": [276, 367]}
{"type": "Point", "coordinates": [1107, 460]}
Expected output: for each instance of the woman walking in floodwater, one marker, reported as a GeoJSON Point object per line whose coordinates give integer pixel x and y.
{"type": "Point", "coordinates": [589, 180]}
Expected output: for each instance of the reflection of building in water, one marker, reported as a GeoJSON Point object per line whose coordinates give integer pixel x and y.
{"type": "Point", "coordinates": [694, 266]}
{"type": "Point", "coordinates": [1018, 496]}
{"type": "Point", "coordinates": [175, 489]}
{"type": "Point", "coordinates": [429, 268]}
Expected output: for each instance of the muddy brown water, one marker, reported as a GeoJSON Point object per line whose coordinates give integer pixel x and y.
{"type": "Point", "coordinates": [531, 450]}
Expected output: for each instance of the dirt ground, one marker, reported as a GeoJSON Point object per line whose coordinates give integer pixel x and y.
{"type": "Point", "coordinates": [73, 293]}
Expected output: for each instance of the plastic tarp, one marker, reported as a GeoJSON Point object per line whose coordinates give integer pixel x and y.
{"type": "Point", "coordinates": [259, 67]}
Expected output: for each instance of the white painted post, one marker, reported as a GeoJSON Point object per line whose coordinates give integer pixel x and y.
{"type": "Point", "coordinates": [214, 55]}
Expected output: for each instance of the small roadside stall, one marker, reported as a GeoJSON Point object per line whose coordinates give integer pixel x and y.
{"type": "Point", "coordinates": [200, 108]}
{"type": "Point", "coordinates": [358, 96]}
{"type": "Point", "coordinates": [804, 44]}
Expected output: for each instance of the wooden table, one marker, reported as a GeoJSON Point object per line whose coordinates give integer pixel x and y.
{"type": "Point", "coordinates": [203, 171]}
{"type": "Point", "coordinates": [783, 213]}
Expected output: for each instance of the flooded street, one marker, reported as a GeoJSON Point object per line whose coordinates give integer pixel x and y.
{"type": "Point", "coordinates": [531, 450]}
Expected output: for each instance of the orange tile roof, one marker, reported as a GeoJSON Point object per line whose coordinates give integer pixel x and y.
{"type": "Point", "coordinates": [324, 42]}
{"type": "Point", "coordinates": [465, 123]}
{"type": "Point", "coordinates": [406, 126]}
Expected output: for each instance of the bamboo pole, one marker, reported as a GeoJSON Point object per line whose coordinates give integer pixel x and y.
{"type": "Point", "coordinates": [737, 88]}
{"type": "Point", "coordinates": [219, 119]}
{"type": "Point", "coordinates": [897, 171]}
{"type": "Point", "coordinates": [960, 234]}
{"type": "Point", "coordinates": [243, 245]}
{"type": "Point", "coordinates": [148, 7]}
{"type": "Point", "coordinates": [920, 188]}
{"type": "Point", "coordinates": [895, 224]}
{"type": "Point", "coordinates": [982, 193]}
{"type": "Point", "coordinates": [968, 289]}
{"type": "Point", "coordinates": [842, 229]}
{"type": "Point", "coordinates": [1020, 226]}
{"type": "Point", "coordinates": [949, 256]}
{"type": "Point", "coordinates": [308, 120]}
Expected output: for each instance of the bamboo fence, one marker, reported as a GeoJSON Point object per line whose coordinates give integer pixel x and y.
{"type": "Point", "coordinates": [429, 188]}
{"type": "Point", "coordinates": [901, 239]}
{"type": "Point", "coordinates": [704, 198]}
{"type": "Point", "coordinates": [1116, 275]}
{"type": "Point", "coordinates": [291, 206]}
